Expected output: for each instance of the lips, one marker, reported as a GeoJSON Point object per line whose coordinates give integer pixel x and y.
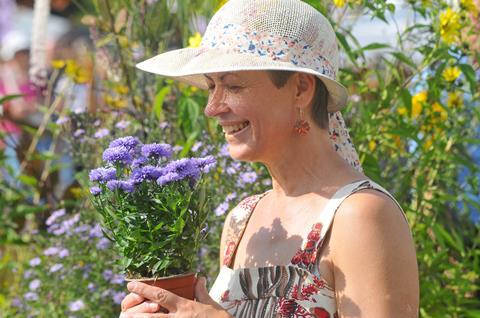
{"type": "Point", "coordinates": [231, 129]}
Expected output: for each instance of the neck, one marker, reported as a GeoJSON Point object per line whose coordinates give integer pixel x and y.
{"type": "Point", "coordinates": [309, 164]}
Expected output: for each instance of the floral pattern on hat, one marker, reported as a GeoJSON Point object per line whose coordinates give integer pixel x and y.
{"type": "Point", "coordinates": [233, 38]}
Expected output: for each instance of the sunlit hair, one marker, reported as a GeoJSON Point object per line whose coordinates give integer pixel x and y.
{"type": "Point", "coordinates": [320, 99]}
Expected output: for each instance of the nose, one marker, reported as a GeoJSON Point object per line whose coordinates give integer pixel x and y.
{"type": "Point", "coordinates": [216, 103]}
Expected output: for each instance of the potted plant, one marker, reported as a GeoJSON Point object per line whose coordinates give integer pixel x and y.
{"type": "Point", "coordinates": [153, 210]}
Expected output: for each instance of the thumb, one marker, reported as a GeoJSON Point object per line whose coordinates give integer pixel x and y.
{"type": "Point", "coordinates": [201, 292]}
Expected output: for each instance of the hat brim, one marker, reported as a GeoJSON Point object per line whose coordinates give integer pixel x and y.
{"type": "Point", "coordinates": [188, 65]}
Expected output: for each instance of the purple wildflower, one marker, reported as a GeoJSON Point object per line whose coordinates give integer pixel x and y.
{"type": "Point", "coordinates": [103, 243]}
{"type": "Point", "coordinates": [78, 133]}
{"type": "Point", "coordinates": [177, 148]}
{"type": "Point", "coordinates": [164, 125]}
{"type": "Point", "coordinates": [35, 262]}
{"type": "Point", "coordinates": [96, 231]}
{"type": "Point", "coordinates": [16, 302]}
{"type": "Point", "coordinates": [51, 251]}
{"type": "Point", "coordinates": [56, 268]}
{"type": "Point", "coordinates": [62, 120]}
{"type": "Point", "coordinates": [125, 186]}
{"type": "Point", "coordinates": [63, 253]}
{"type": "Point", "coordinates": [122, 124]}
{"type": "Point", "coordinates": [27, 274]}
{"type": "Point", "coordinates": [118, 297]}
{"type": "Point", "coordinates": [82, 228]}
{"type": "Point", "coordinates": [221, 209]}
{"type": "Point", "coordinates": [102, 174]}
{"type": "Point", "coordinates": [185, 167]}
{"type": "Point", "coordinates": [231, 196]}
{"type": "Point", "coordinates": [247, 177]}
{"type": "Point", "coordinates": [34, 284]}
{"type": "Point", "coordinates": [146, 173]}
{"type": "Point", "coordinates": [128, 142]}
{"type": "Point", "coordinates": [197, 146]}
{"type": "Point", "coordinates": [224, 151]}
{"type": "Point", "coordinates": [157, 150]}
{"type": "Point", "coordinates": [91, 287]}
{"type": "Point", "coordinates": [95, 190]}
{"type": "Point", "coordinates": [169, 177]}
{"type": "Point", "coordinates": [138, 162]}
{"type": "Point", "coordinates": [206, 163]}
{"type": "Point", "coordinates": [101, 133]}
{"type": "Point", "coordinates": [76, 305]}
{"type": "Point", "coordinates": [107, 274]}
{"type": "Point", "coordinates": [30, 296]}
{"type": "Point", "coordinates": [118, 154]}
{"type": "Point", "coordinates": [54, 216]}
{"type": "Point", "coordinates": [118, 279]}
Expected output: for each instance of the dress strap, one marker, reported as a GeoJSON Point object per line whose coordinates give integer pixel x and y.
{"type": "Point", "coordinates": [239, 217]}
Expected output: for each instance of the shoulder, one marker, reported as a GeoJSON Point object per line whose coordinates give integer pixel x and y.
{"type": "Point", "coordinates": [373, 255]}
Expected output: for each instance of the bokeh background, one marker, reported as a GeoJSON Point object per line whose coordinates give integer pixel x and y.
{"type": "Point", "coordinates": [68, 86]}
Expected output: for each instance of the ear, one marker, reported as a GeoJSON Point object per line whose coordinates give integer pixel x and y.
{"type": "Point", "coordinates": [305, 89]}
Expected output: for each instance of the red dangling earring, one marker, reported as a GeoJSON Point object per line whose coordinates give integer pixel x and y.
{"type": "Point", "coordinates": [301, 126]}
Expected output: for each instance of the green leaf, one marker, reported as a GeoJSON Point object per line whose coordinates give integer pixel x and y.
{"type": "Point", "coordinates": [375, 46]}
{"type": "Point", "coordinates": [7, 98]}
{"type": "Point", "coordinates": [405, 59]}
{"type": "Point", "coordinates": [158, 103]}
{"type": "Point", "coordinates": [28, 180]}
{"type": "Point", "coordinates": [470, 76]}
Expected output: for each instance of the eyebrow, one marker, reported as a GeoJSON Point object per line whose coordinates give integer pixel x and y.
{"type": "Point", "coordinates": [222, 76]}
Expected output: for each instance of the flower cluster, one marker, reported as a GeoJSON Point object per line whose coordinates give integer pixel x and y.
{"type": "Point", "coordinates": [143, 163]}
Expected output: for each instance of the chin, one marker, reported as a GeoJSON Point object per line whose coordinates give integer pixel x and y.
{"type": "Point", "coordinates": [242, 153]}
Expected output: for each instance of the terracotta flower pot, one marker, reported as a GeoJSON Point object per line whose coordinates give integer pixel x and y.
{"type": "Point", "coordinates": [182, 285]}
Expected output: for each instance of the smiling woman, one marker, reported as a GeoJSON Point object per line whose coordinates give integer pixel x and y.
{"type": "Point", "coordinates": [325, 241]}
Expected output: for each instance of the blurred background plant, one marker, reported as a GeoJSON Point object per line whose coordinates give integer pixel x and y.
{"type": "Point", "coordinates": [413, 114]}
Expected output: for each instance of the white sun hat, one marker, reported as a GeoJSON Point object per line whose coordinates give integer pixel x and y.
{"type": "Point", "coordinates": [243, 35]}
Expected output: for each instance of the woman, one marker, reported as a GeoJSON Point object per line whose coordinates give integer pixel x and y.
{"type": "Point", "coordinates": [325, 241]}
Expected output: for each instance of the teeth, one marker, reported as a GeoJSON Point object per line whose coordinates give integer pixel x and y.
{"type": "Point", "coordinates": [234, 128]}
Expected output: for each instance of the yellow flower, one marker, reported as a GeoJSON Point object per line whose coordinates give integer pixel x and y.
{"type": "Point", "coordinates": [454, 99]}
{"type": "Point", "coordinates": [339, 3]}
{"type": "Point", "coordinates": [417, 103]}
{"type": "Point", "coordinates": [449, 25]}
{"type": "Point", "coordinates": [195, 40]}
{"type": "Point", "coordinates": [76, 192]}
{"type": "Point", "coordinates": [450, 74]}
{"type": "Point", "coordinates": [427, 143]}
{"type": "Point", "coordinates": [58, 63]}
{"type": "Point", "coordinates": [469, 5]}
{"type": "Point", "coordinates": [372, 145]}
{"type": "Point", "coordinates": [439, 112]}
{"type": "Point", "coordinates": [121, 89]}
{"type": "Point", "coordinates": [402, 111]}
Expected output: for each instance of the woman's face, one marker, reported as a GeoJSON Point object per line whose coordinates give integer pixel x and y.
{"type": "Point", "coordinates": [257, 117]}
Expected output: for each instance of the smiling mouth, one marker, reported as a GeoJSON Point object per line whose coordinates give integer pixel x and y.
{"type": "Point", "coordinates": [235, 128]}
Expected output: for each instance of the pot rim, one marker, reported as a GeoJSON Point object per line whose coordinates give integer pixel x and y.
{"type": "Point", "coordinates": [149, 279]}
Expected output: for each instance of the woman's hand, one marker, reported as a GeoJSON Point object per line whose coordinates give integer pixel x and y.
{"type": "Point", "coordinates": [145, 301]}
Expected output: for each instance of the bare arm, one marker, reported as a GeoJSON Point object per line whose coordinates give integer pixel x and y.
{"type": "Point", "coordinates": [375, 265]}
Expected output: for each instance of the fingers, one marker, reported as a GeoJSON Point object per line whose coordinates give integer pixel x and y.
{"type": "Point", "coordinates": [138, 315]}
{"type": "Point", "coordinates": [131, 300]}
{"type": "Point", "coordinates": [161, 296]}
{"type": "Point", "coordinates": [145, 307]}
{"type": "Point", "coordinates": [201, 292]}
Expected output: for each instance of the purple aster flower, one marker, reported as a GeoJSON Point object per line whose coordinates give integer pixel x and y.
{"type": "Point", "coordinates": [197, 146]}
{"type": "Point", "coordinates": [221, 209]}
{"type": "Point", "coordinates": [224, 151]}
{"type": "Point", "coordinates": [168, 177]}
{"type": "Point", "coordinates": [231, 196]}
{"type": "Point", "coordinates": [82, 228]}
{"type": "Point", "coordinates": [54, 216]}
{"type": "Point", "coordinates": [95, 190]}
{"type": "Point", "coordinates": [185, 167]}
{"type": "Point", "coordinates": [102, 174]}
{"type": "Point", "coordinates": [96, 231]}
{"type": "Point", "coordinates": [103, 243]}
{"type": "Point", "coordinates": [247, 177]}
{"type": "Point", "coordinates": [34, 284]}
{"type": "Point", "coordinates": [101, 133]}
{"type": "Point", "coordinates": [63, 253]}
{"type": "Point", "coordinates": [62, 120]}
{"type": "Point", "coordinates": [140, 161]}
{"type": "Point", "coordinates": [164, 125]}
{"type": "Point", "coordinates": [146, 173]}
{"type": "Point", "coordinates": [97, 123]}
{"type": "Point", "coordinates": [128, 142]}
{"type": "Point", "coordinates": [30, 296]}
{"type": "Point", "coordinates": [118, 154]}
{"type": "Point", "coordinates": [91, 287]}
{"type": "Point", "coordinates": [118, 279]}
{"type": "Point", "coordinates": [35, 262]}
{"type": "Point", "coordinates": [79, 132]}
{"type": "Point", "coordinates": [27, 274]}
{"type": "Point", "coordinates": [206, 163]}
{"type": "Point", "coordinates": [51, 251]}
{"type": "Point", "coordinates": [107, 274]}
{"type": "Point", "coordinates": [56, 268]}
{"type": "Point", "coordinates": [17, 303]}
{"type": "Point", "coordinates": [118, 297]}
{"type": "Point", "coordinates": [122, 124]}
{"type": "Point", "coordinates": [125, 186]}
{"type": "Point", "coordinates": [76, 305]}
{"type": "Point", "coordinates": [177, 148]}
{"type": "Point", "coordinates": [157, 150]}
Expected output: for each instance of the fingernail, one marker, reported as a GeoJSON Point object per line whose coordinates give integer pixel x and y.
{"type": "Point", "coordinates": [153, 306]}
{"type": "Point", "coordinates": [131, 285]}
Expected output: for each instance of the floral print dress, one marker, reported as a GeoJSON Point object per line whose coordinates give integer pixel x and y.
{"type": "Point", "coordinates": [293, 291]}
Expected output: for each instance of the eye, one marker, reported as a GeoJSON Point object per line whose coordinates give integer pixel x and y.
{"type": "Point", "coordinates": [234, 88]}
